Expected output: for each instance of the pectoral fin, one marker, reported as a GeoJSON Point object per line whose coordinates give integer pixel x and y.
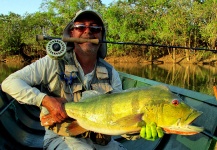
{"type": "Point", "coordinates": [130, 120]}
{"type": "Point", "coordinates": [75, 129]}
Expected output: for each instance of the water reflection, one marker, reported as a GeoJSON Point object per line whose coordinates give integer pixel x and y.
{"type": "Point", "coordinates": [193, 77]}
{"type": "Point", "coordinates": [6, 69]}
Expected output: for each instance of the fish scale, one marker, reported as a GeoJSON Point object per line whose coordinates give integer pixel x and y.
{"type": "Point", "coordinates": [121, 113]}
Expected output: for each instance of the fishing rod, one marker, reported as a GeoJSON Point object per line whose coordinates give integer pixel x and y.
{"type": "Point", "coordinates": [210, 135]}
{"type": "Point", "coordinates": [11, 102]}
{"type": "Point", "coordinates": [97, 41]}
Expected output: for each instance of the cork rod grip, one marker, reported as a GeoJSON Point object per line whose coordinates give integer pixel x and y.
{"type": "Point", "coordinates": [67, 39]}
{"type": "Point", "coordinates": [80, 40]}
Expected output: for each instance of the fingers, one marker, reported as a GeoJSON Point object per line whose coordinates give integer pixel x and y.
{"type": "Point", "coordinates": [63, 113]}
{"type": "Point", "coordinates": [160, 132]}
{"type": "Point", "coordinates": [47, 120]}
{"type": "Point", "coordinates": [143, 132]}
{"type": "Point", "coordinates": [56, 109]}
{"type": "Point", "coordinates": [148, 132]}
{"type": "Point", "coordinates": [59, 114]}
{"type": "Point", "coordinates": [58, 118]}
{"type": "Point", "coordinates": [151, 132]}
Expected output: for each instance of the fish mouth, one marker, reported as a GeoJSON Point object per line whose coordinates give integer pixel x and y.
{"type": "Point", "coordinates": [183, 127]}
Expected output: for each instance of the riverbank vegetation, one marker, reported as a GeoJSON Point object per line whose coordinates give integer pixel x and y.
{"type": "Point", "coordinates": [183, 23]}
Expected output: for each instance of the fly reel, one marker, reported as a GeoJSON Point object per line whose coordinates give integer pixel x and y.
{"type": "Point", "coordinates": [56, 49]}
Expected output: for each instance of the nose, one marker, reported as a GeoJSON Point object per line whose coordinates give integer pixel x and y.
{"type": "Point", "coordinates": [87, 29]}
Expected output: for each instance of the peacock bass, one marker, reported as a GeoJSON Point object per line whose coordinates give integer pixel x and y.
{"type": "Point", "coordinates": [127, 111]}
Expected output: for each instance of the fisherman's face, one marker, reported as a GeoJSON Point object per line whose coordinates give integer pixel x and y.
{"type": "Point", "coordinates": [87, 29]}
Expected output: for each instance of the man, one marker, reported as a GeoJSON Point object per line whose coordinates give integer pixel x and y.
{"type": "Point", "coordinates": [65, 80]}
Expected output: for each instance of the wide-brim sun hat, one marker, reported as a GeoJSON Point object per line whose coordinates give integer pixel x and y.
{"type": "Point", "coordinates": [66, 32]}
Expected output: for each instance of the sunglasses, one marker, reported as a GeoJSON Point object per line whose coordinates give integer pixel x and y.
{"type": "Point", "coordinates": [82, 28]}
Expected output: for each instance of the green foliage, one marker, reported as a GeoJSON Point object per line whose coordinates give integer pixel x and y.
{"type": "Point", "coordinates": [11, 35]}
{"type": "Point", "coordinates": [166, 22]}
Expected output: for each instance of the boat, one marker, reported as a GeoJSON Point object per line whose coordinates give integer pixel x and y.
{"type": "Point", "coordinates": [21, 129]}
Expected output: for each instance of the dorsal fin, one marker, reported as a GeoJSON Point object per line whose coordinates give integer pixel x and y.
{"type": "Point", "coordinates": [86, 95]}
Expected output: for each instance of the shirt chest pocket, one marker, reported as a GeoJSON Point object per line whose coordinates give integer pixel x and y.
{"type": "Point", "coordinates": [72, 93]}
{"type": "Point", "coordinates": [77, 87]}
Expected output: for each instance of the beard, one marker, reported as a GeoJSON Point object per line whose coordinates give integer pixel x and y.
{"type": "Point", "coordinates": [88, 48]}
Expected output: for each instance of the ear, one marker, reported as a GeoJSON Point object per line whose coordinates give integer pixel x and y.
{"type": "Point", "coordinates": [71, 33]}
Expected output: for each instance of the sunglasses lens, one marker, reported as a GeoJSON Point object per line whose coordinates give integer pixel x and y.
{"type": "Point", "coordinates": [95, 29]}
{"type": "Point", "coordinates": [82, 28]}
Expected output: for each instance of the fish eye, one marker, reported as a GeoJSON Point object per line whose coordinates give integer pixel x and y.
{"type": "Point", "coordinates": [175, 102]}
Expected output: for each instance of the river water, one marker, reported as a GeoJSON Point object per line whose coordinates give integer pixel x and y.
{"type": "Point", "coordinates": [198, 78]}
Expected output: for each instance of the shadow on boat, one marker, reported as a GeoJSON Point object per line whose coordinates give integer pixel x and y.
{"type": "Point", "coordinates": [20, 125]}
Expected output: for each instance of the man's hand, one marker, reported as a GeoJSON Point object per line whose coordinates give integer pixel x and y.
{"type": "Point", "coordinates": [151, 132]}
{"type": "Point", "coordinates": [56, 110]}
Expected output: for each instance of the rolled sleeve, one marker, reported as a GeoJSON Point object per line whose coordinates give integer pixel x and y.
{"type": "Point", "coordinates": [20, 85]}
